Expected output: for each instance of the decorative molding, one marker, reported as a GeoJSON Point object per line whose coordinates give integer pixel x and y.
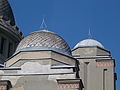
{"type": "Point", "coordinates": [105, 63]}
{"type": "Point", "coordinates": [74, 85]}
{"type": "Point", "coordinates": [70, 84]}
{"type": "Point", "coordinates": [3, 87]}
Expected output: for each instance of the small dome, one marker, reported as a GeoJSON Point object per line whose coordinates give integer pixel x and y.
{"type": "Point", "coordinates": [88, 42]}
{"type": "Point", "coordinates": [44, 40]}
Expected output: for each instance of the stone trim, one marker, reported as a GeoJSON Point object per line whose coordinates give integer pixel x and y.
{"type": "Point", "coordinates": [70, 83]}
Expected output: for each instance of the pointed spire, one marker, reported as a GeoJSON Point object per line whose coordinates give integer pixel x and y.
{"type": "Point", "coordinates": [43, 24]}
{"type": "Point", "coordinates": [89, 34]}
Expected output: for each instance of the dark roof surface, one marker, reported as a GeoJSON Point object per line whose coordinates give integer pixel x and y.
{"type": "Point", "coordinates": [6, 12]}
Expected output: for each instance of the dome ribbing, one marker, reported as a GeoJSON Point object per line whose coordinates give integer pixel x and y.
{"type": "Point", "coordinates": [44, 40]}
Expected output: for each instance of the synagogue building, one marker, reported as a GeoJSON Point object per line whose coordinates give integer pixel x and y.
{"type": "Point", "coordinates": [43, 60]}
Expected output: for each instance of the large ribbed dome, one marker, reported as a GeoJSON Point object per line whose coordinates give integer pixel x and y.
{"type": "Point", "coordinates": [88, 42]}
{"type": "Point", "coordinates": [6, 11]}
{"type": "Point", "coordinates": [44, 40]}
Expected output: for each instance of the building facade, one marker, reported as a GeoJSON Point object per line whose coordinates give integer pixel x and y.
{"type": "Point", "coordinates": [44, 61]}
{"type": "Point", "coordinates": [96, 65]}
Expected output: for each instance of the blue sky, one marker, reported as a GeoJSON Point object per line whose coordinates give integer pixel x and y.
{"type": "Point", "coordinates": [71, 19]}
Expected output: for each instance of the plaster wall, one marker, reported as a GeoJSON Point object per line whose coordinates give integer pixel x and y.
{"type": "Point", "coordinates": [40, 55]}
{"type": "Point", "coordinates": [31, 82]}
